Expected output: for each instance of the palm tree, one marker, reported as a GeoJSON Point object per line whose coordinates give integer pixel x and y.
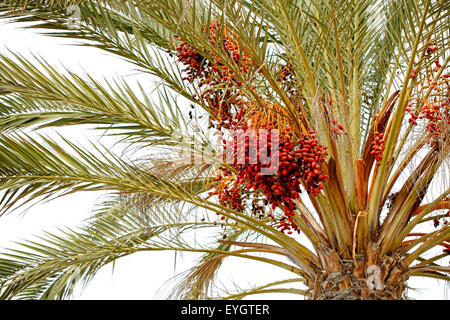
{"type": "Point", "coordinates": [356, 92]}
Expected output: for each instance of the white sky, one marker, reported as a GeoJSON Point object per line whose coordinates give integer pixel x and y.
{"type": "Point", "coordinates": [138, 276]}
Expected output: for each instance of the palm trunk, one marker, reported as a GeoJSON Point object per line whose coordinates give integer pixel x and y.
{"type": "Point", "coordinates": [363, 278]}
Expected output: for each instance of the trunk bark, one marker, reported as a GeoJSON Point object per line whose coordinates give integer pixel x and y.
{"type": "Point", "coordinates": [364, 278]}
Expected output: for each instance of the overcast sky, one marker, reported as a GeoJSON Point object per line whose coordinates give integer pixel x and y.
{"type": "Point", "coordinates": [140, 275]}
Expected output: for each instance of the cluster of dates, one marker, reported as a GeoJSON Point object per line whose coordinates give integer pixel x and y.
{"type": "Point", "coordinates": [219, 83]}
{"type": "Point", "coordinates": [431, 102]}
{"type": "Point", "coordinates": [288, 81]}
{"type": "Point", "coordinates": [260, 176]}
{"type": "Point", "coordinates": [378, 146]}
{"type": "Point", "coordinates": [277, 174]}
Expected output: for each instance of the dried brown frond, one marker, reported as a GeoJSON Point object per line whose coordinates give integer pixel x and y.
{"type": "Point", "coordinates": [197, 283]}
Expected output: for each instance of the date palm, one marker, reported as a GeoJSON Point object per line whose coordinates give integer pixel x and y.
{"type": "Point", "coordinates": [368, 80]}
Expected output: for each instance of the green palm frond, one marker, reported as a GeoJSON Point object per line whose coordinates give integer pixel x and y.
{"type": "Point", "coordinates": [33, 89]}
{"type": "Point", "coordinates": [30, 169]}
{"type": "Point", "coordinates": [53, 266]}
